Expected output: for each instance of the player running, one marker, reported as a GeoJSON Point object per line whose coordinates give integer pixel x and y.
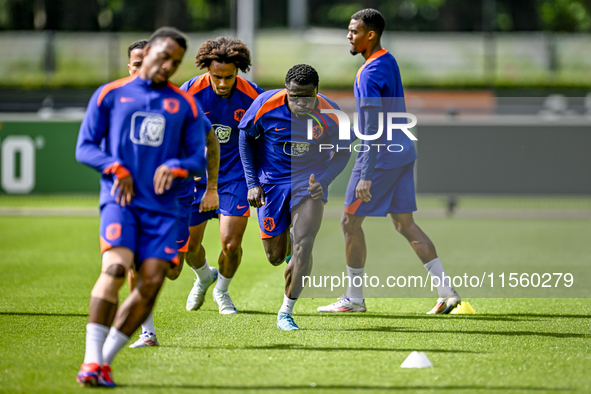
{"type": "Point", "coordinates": [135, 54]}
{"type": "Point", "coordinates": [148, 331]}
{"type": "Point", "coordinates": [288, 175]}
{"type": "Point", "coordinates": [154, 133]}
{"type": "Point", "coordinates": [225, 98]}
{"type": "Point", "coordinates": [382, 182]}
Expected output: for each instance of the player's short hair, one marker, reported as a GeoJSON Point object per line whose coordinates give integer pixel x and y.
{"type": "Point", "coordinates": [224, 50]}
{"type": "Point", "coordinates": [141, 44]}
{"type": "Point", "coordinates": [169, 32]}
{"type": "Point", "coordinates": [372, 19]}
{"type": "Point", "coordinates": [302, 74]}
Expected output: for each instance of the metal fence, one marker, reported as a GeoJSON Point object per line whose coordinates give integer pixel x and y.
{"type": "Point", "coordinates": [34, 59]}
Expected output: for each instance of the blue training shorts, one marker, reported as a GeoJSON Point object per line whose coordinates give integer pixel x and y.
{"type": "Point", "coordinates": [184, 220]}
{"type": "Point", "coordinates": [392, 190]}
{"type": "Point", "coordinates": [233, 202]}
{"type": "Point", "coordinates": [147, 234]}
{"type": "Point", "coordinates": [280, 199]}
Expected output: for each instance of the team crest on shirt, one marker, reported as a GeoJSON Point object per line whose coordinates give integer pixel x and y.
{"type": "Point", "coordinates": [238, 114]}
{"type": "Point", "coordinates": [295, 148]}
{"type": "Point", "coordinates": [222, 132]}
{"type": "Point", "coordinates": [317, 131]}
{"type": "Point", "coordinates": [147, 129]}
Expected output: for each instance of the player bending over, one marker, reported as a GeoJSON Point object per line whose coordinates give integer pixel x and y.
{"type": "Point", "coordinates": [382, 182]}
{"type": "Point", "coordinates": [148, 144]}
{"type": "Point", "coordinates": [287, 174]}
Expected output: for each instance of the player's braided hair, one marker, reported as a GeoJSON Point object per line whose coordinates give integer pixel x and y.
{"type": "Point", "coordinates": [372, 19]}
{"type": "Point", "coordinates": [141, 44]}
{"type": "Point", "coordinates": [302, 74]}
{"type": "Point", "coordinates": [169, 32]}
{"type": "Point", "coordinates": [223, 50]}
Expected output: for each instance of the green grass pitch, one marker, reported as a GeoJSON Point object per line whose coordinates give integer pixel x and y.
{"type": "Point", "coordinates": [49, 264]}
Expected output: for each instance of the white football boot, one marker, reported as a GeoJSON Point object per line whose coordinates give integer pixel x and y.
{"type": "Point", "coordinates": [445, 304]}
{"type": "Point", "coordinates": [197, 294]}
{"type": "Point", "coordinates": [225, 304]}
{"type": "Point", "coordinates": [344, 304]}
{"type": "Point", "coordinates": [146, 339]}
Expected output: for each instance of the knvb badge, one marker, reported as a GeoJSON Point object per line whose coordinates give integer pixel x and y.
{"type": "Point", "coordinates": [222, 132]}
{"type": "Point", "coordinates": [147, 128]}
{"type": "Point", "coordinates": [392, 123]}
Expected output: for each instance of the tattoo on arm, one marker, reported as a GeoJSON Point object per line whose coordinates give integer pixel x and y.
{"type": "Point", "coordinates": [213, 160]}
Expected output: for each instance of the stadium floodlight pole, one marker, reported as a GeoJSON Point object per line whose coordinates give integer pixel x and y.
{"type": "Point", "coordinates": [489, 11]}
{"type": "Point", "coordinates": [297, 14]}
{"type": "Point", "coordinates": [245, 26]}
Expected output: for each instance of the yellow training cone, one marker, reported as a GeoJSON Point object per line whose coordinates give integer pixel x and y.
{"type": "Point", "coordinates": [463, 309]}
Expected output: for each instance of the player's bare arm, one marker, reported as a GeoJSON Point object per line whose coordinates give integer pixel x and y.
{"type": "Point", "coordinates": [211, 200]}
{"type": "Point", "coordinates": [256, 196]}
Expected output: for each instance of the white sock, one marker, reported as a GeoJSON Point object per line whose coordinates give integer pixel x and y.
{"type": "Point", "coordinates": [223, 282]}
{"type": "Point", "coordinates": [95, 338]}
{"type": "Point", "coordinates": [203, 273]}
{"type": "Point", "coordinates": [435, 269]}
{"type": "Point", "coordinates": [148, 325]}
{"type": "Point", "coordinates": [288, 305]}
{"type": "Point", "coordinates": [355, 293]}
{"type": "Point", "coordinates": [115, 342]}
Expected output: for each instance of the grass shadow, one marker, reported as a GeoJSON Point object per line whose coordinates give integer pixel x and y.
{"type": "Point", "coordinates": [251, 312]}
{"type": "Point", "coordinates": [468, 332]}
{"type": "Point", "coordinates": [544, 315]}
{"type": "Point", "coordinates": [274, 388]}
{"type": "Point", "coordinates": [295, 346]}
{"type": "Point", "coordinates": [44, 314]}
{"type": "Point", "coordinates": [421, 316]}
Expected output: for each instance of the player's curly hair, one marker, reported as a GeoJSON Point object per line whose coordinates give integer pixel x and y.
{"type": "Point", "coordinates": [141, 44]}
{"type": "Point", "coordinates": [372, 19]}
{"type": "Point", "coordinates": [302, 74]}
{"type": "Point", "coordinates": [223, 50]}
{"type": "Point", "coordinates": [169, 32]}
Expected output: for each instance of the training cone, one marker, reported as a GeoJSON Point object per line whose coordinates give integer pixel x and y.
{"type": "Point", "coordinates": [417, 360]}
{"type": "Point", "coordinates": [463, 309]}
